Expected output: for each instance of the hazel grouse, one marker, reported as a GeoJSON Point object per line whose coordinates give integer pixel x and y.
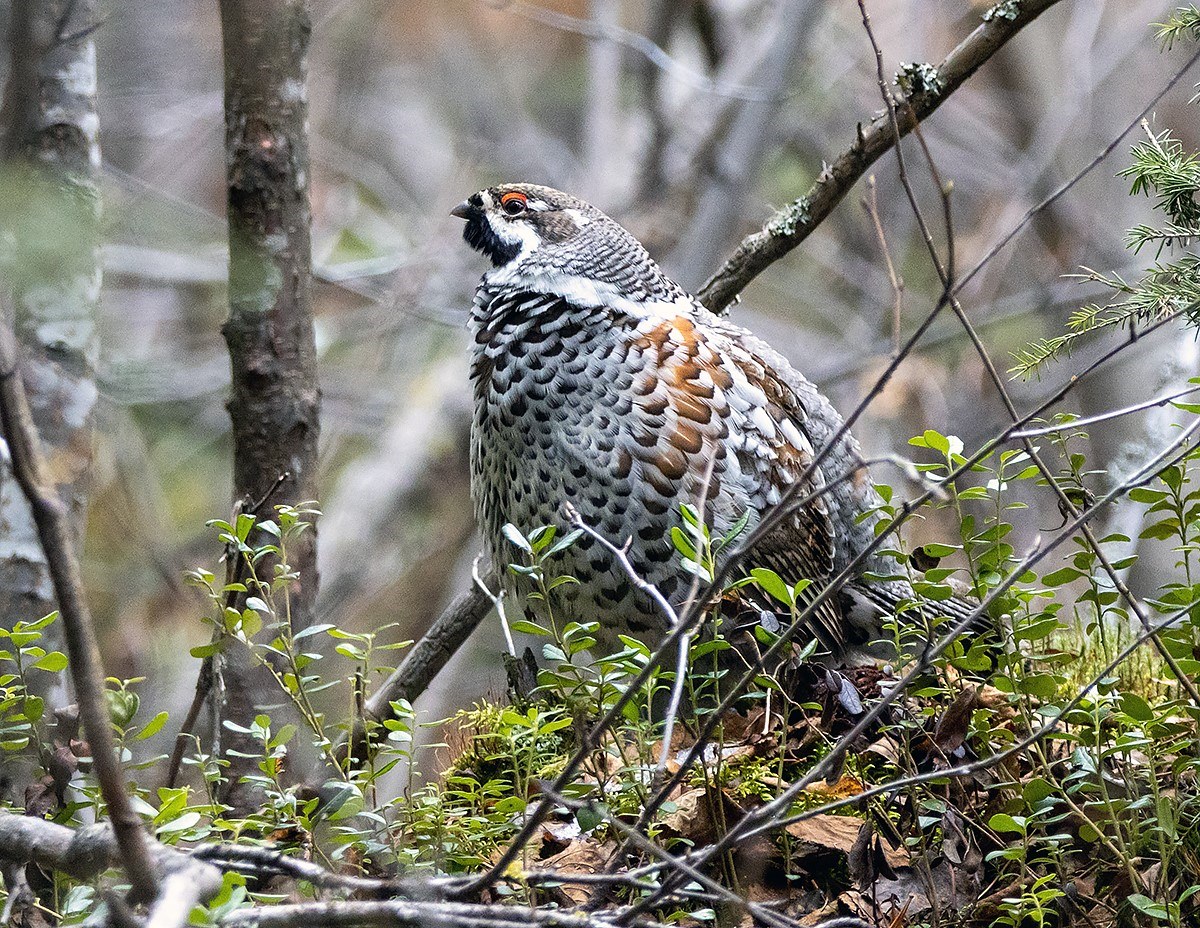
{"type": "Point", "coordinates": [600, 382]}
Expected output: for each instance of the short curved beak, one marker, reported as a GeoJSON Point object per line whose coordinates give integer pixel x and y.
{"type": "Point", "coordinates": [464, 210]}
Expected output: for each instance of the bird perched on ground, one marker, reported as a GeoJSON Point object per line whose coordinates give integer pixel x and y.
{"type": "Point", "coordinates": [600, 382]}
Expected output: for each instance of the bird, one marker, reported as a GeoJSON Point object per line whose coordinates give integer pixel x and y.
{"type": "Point", "coordinates": [600, 383]}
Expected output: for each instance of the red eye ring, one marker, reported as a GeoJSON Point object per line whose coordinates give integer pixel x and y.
{"type": "Point", "coordinates": [513, 203]}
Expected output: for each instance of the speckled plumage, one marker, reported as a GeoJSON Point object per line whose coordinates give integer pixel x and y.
{"type": "Point", "coordinates": [600, 382]}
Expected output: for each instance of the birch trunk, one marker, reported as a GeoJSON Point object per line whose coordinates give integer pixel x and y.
{"type": "Point", "coordinates": [50, 204]}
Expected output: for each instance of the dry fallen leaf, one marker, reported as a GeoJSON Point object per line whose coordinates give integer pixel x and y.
{"type": "Point", "coordinates": [693, 817]}
{"type": "Point", "coordinates": [583, 856]}
{"type": "Point", "coordinates": [955, 722]}
{"type": "Point", "coordinates": [826, 833]}
{"type": "Point", "coordinates": [822, 833]}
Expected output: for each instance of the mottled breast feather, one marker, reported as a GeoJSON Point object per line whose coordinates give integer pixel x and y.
{"type": "Point", "coordinates": [628, 418]}
{"type": "Point", "coordinates": [600, 382]}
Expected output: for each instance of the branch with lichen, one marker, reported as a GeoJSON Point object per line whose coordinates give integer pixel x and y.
{"type": "Point", "coordinates": [924, 87]}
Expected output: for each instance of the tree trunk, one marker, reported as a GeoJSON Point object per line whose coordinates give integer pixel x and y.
{"type": "Point", "coordinates": [49, 206]}
{"type": "Point", "coordinates": [275, 399]}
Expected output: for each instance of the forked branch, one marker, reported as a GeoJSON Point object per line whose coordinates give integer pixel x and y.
{"type": "Point", "coordinates": [795, 222]}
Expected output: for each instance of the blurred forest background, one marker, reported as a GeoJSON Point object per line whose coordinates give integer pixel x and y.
{"type": "Point", "coordinates": [414, 105]}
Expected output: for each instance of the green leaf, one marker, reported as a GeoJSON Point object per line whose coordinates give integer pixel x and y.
{"type": "Point", "coordinates": [1136, 707]}
{"type": "Point", "coordinates": [44, 622]}
{"type": "Point", "coordinates": [529, 628]}
{"type": "Point", "coordinates": [1061, 576]}
{"type": "Point", "coordinates": [1167, 528]}
{"type": "Point", "coordinates": [563, 543]}
{"type": "Point", "coordinates": [1148, 906]}
{"type": "Point", "coordinates": [514, 536]}
{"type": "Point", "coordinates": [153, 727]}
{"type": "Point", "coordinates": [245, 522]}
{"type": "Point", "coordinates": [772, 584]}
{"type": "Point", "coordinates": [312, 630]}
{"type": "Point", "coordinates": [34, 707]}
{"type": "Point", "coordinates": [283, 736]}
{"type": "Point", "coordinates": [52, 662]}
{"type": "Point", "coordinates": [591, 816]}
{"type": "Point", "coordinates": [936, 441]}
{"type": "Point", "coordinates": [183, 823]}
{"type": "Point", "coordinates": [1004, 823]}
{"type": "Point", "coordinates": [122, 706]}
{"type": "Point", "coordinates": [682, 543]}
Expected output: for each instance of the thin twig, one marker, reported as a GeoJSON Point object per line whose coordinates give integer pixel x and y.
{"type": "Point", "coordinates": [1104, 416]}
{"type": "Point", "coordinates": [264, 860]}
{"type": "Point", "coordinates": [497, 604]}
{"type": "Point", "coordinates": [55, 535]}
{"type": "Point", "coordinates": [669, 613]}
{"type": "Point", "coordinates": [871, 205]}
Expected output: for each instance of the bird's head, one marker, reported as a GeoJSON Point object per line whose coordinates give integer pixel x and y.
{"type": "Point", "coordinates": [511, 221]}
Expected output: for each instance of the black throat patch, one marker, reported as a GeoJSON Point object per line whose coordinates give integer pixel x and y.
{"type": "Point", "coordinates": [480, 235]}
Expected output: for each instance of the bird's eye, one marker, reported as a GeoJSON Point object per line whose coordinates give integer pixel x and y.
{"type": "Point", "coordinates": [513, 204]}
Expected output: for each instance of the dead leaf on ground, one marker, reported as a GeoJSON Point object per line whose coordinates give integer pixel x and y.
{"type": "Point", "coordinates": [694, 820]}
{"type": "Point", "coordinates": [583, 856]}
{"type": "Point", "coordinates": [910, 890]}
{"type": "Point", "coordinates": [955, 722]}
{"type": "Point", "coordinates": [824, 834]}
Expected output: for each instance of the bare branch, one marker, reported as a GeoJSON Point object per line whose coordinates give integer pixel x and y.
{"type": "Point", "coordinates": [403, 913]}
{"type": "Point", "coordinates": [1105, 416]}
{"type": "Point", "coordinates": [610, 32]}
{"type": "Point", "coordinates": [427, 657]}
{"type": "Point", "coordinates": [871, 205]}
{"type": "Point", "coordinates": [792, 225]}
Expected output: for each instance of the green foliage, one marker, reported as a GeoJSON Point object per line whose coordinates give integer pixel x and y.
{"type": "Point", "coordinates": [1163, 170]}
{"type": "Point", "coordinates": [1107, 794]}
{"type": "Point", "coordinates": [1183, 24]}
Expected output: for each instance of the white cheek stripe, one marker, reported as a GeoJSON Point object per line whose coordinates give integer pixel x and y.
{"type": "Point", "coordinates": [517, 233]}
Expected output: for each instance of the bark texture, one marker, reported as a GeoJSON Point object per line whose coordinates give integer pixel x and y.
{"type": "Point", "coordinates": [275, 398]}
{"type": "Point", "coordinates": [49, 209]}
